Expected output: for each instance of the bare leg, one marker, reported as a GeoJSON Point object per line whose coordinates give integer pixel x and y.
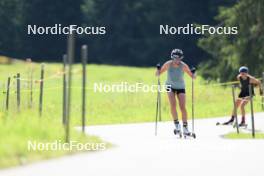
{"type": "Point", "coordinates": [182, 102]}
{"type": "Point", "coordinates": [242, 107]}
{"type": "Point", "coordinates": [172, 101]}
{"type": "Point", "coordinates": [238, 102]}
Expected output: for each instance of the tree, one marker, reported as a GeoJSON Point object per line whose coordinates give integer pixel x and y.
{"type": "Point", "coordinates": [228, 53]}
{"type": "Point", "coordinates": [133, 29]}
{"type": "Point", "coordinates": [11, 15]}
{"type": "Point", "coordinates": [48, 13]}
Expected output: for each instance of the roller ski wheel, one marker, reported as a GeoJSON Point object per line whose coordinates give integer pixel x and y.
{"type": "Point", "coordinates": [177, 132]}
{"type": "Point", "coordinates": [187, 133]}
{"type": "Point", "coordinates": [193, 135]}
{"type": "Point", "coordinates": [243, 125]}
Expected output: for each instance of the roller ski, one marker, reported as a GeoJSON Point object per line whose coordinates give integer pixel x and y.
{"type": "Point", "coordinates": [224, 124]}
{"type": "Point", "coordinates": [187, 133]}
{"type": "Point", "coordinates": [242, 125]}
{"type": "Point", "coordinates": [230, 122]}
{"type": "Point", "coordinates": [177, 130]}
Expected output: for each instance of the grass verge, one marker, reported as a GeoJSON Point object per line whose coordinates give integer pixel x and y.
{"type": "Point", "coordinates": [243, 136]}
{"type": "Point", "coordinates": [17, 131]}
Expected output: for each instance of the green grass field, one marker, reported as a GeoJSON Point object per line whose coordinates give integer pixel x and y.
{"type": "Point", "coordinates": [243, 136]}
{"type": "Point", "coordinates": [102, 108]}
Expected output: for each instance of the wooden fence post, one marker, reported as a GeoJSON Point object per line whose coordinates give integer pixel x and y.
{"type": "Point", "coordinates": [7, 93]}
{"type": "Point", "coordinates": [64, 96]}
{"type": "Point", "coordinates": [18, 91]}
{"type": "Point", "coordinates": [84, 53]}
{"type": "Point", "coordinates": [70, 57]}
{"type": "Point", "coordinates": [41, 89]}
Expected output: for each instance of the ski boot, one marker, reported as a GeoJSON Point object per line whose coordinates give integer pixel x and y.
{"type": "Point", "coordinates": [186, 132]}
{"type": "Point", "coordinates": [229, 122]}
{"type": "Point", "coordinates": [177, 130]}
{"type": "Point", "coordinates": [243, 124]}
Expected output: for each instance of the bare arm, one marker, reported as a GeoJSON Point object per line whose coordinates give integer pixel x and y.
{"type": "Point", "coordinates": [255, 81]}
{"type": "Point", "coordinates": [238, 77]}
{"type": "Point", "coordinates": [164, 68]}
{"type": "Point", "coordinates": [187, 70]}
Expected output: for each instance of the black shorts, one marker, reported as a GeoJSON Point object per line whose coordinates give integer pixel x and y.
{"type": "Point", "coordinates": [243, 94]}
{"type": "Point", "coordinates": [177, 91]}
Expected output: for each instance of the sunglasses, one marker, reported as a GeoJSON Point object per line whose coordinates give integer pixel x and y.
{"type": "Point", "coordinates": [176, 58]}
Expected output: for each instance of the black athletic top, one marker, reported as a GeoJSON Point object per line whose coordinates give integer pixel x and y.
{"type": "Point", "coordinates": [245, 87]}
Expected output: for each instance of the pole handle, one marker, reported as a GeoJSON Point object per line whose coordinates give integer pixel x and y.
{"type": "Point", "coordinates": [193, 70]}
{"type": "Point", "coordinates": [158, 66]}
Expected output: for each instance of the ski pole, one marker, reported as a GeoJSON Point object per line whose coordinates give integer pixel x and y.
{"type": "Point", "coordinates": [235, 108]}
{"type": "Point", "coordinates": [159, 98]}
{"type": "Point", "coordinates": [252, 111]}
{"type": "Point", "coordinates": [156, 120]}
{"type": "Point", "coordinates": [193, 70]}
{"type": "Point", "coordinates": [158, 110]}
{"type": "Point", "coordinates": [262, 96]}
